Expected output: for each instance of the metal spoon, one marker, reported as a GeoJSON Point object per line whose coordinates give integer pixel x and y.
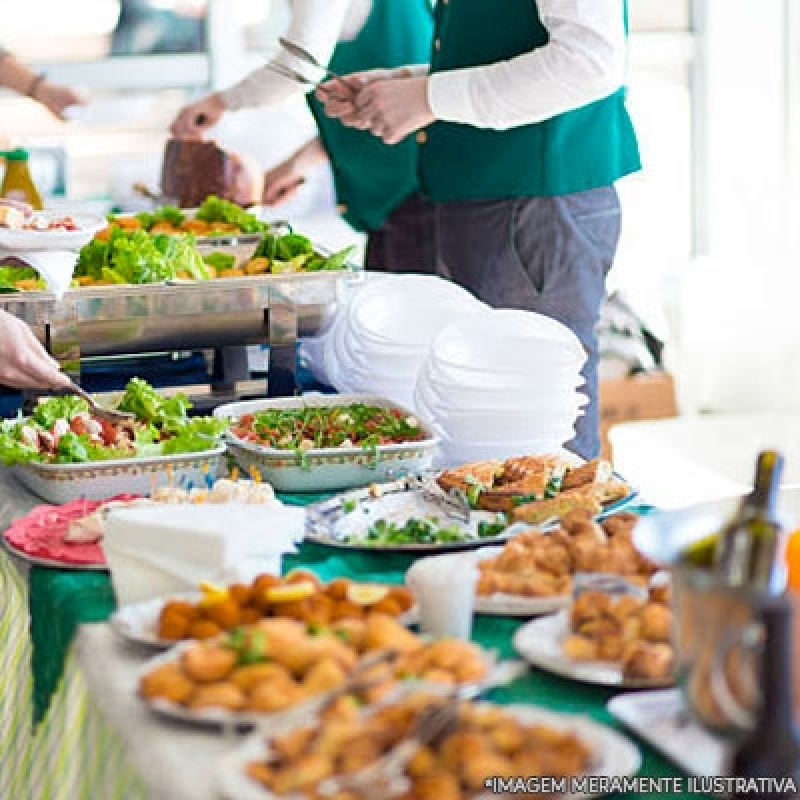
{"type": "Point", "coordinates": [103, 413]}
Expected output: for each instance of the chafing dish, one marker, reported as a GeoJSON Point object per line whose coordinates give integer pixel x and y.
{"type": "Point", "coordinates": [226, 312]}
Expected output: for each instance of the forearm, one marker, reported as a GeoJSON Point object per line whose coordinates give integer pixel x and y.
{"type": "Point", "coordinates": [315, 25]}
{"type": "Point", "coordinates": [583, 61]}
{"type": "Point", "coordinates": [16, 76]}
{"type": "Point", "coordinates": [310, 154]}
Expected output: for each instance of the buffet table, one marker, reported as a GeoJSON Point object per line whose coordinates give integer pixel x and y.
{"type": "Point", "coordinates": [95, 740]}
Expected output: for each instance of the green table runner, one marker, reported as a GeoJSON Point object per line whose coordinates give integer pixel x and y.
{"type": "Point", "coordinates": [60, 600]}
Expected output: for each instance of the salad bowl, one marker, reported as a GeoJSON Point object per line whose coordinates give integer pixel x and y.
{"type": "Point", "coordinates": [64, 452]}
{"type": "Point", "coordinates": [318, 469]}
{"type": "Point", "coordinates": [99, 480]}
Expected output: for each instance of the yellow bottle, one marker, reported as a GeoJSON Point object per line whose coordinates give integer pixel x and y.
{"type": "Point", "coordinates": [17, 181]}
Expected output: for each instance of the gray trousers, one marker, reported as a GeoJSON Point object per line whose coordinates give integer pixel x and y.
{"type": "Point", "coordinates": [406, 242]}
{"type": "Point", "coordinates": [550, 255]}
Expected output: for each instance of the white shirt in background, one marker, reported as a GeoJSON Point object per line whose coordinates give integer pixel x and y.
{"type": "Point", "coordinates": [315, 25]}
{"type": "Point", "coordinates": [583, 61]}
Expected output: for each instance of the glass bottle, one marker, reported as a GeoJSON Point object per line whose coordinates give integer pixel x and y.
{"type": "Point", "coordinates": [17, 181]}
{"type": "Point", "coordinates": [772, 749]}
{"type": "Point", "coordinates": [748, 549]}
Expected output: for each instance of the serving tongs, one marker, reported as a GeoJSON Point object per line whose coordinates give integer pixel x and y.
{"type": "Point", "coordinates": [389, 770]}
{"type": "Point", "coordinates": [454, 504]}
{"type": "Point", "coordinates": [108, 414]}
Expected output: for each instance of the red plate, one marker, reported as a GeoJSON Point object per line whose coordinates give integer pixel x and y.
{"type": "Point", "coordinates": [39, 535]}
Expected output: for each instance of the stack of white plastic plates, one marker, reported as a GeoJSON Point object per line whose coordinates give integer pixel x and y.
{"type": "Point", "coordinates": [501, 384]}
{"type": "Point", "coordinates": [379, 341]}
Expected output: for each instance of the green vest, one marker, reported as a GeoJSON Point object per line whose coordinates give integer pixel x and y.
{"type": "Point", "coordinates": [583, 149]}
{"type": "Point", "coordinates": [372, 178]}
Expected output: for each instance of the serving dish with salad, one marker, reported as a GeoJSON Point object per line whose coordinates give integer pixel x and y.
{"type": "Point", "coordinates": [218, 240]}
{"type": "Point", "coordinates": [326, 442]}
{"type": "Point", "coordinates": [63, 453]}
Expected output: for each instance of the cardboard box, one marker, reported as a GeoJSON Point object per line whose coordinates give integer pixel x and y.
{"type": "Point", "coordinates": [644, 396]}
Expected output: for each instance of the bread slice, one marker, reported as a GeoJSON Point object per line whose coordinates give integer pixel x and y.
{"type": "Point", "coordinates": [536, 513]}
{"type": "Point", "coordinates": [595, 471]}
{"type": "Point", "coordinates": [484, 473]}
{"type": "Point", "coordinates": [11, 217]}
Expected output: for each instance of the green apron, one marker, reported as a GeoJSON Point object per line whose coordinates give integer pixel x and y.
{"type": "Point", "coordinates": [583, 149]}
{"type": "Point", "coordinates": [372, 178]}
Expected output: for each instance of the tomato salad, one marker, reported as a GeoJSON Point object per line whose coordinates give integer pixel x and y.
{"type": "Point", "coordinates": [319, 427]}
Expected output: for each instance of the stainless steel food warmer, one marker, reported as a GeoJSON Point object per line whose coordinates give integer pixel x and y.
{"type": "Point", "coordinates": [216, 314]}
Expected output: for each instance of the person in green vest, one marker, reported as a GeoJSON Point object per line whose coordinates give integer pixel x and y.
{"type": "Point", "coordinates": [523, 132]}
{"type": "Point", "coordinates": [377, 186]}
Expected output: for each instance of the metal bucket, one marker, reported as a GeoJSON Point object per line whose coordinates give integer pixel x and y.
{"type": "Point", "coordinates": [717, 632]}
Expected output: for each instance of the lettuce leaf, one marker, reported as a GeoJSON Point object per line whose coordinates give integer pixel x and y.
{"type": "Point", "coordinates": [215, 209]}
{"type": "Point", "coordinates": [52, 408]}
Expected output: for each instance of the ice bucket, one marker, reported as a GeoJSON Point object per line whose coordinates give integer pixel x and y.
{"type": "Point", "coordinates": [717, 633]}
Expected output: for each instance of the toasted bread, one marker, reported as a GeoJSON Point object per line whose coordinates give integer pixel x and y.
{"type": "Point", "coordinates": [595, 471]}
{"type": "Point", "coordinates": [484, 473]}
{"type": "Point", "coordinates": [541, 511]}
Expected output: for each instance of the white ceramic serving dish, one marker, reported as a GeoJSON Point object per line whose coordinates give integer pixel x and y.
{"type": "Point", "coordinates": [99, 480]}
{"type": "Point", "coordinates": [22, 240]}
{"type": "Point", "coordinates": [540, 643]}
{"type": "Point", "coordinates": [325, 469]}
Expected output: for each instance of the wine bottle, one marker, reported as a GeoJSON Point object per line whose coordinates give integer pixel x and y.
{"type": "Point", "coordinates": [747, 550]}
{"type": "Point", "coordinates": [772, 749]}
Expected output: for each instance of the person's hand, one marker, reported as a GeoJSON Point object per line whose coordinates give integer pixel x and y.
{"type": "Point", "coordinates": [193, 121]}
{"type": "Point", "coordinates": [393, 109]}
{"type": "Point", "coordinates": [281, 182]}
{"type": "Point", "coordinates": [338, 95]}
{"type": "Point", "coordinates": [56, 98]}
{"type": "Point", "coordinates": [24, 363]}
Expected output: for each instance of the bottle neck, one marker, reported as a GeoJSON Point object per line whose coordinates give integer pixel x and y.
{"type": "Point", "coordinates": [766, 485]}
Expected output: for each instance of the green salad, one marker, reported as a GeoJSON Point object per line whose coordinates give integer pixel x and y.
{"type": "Point", "coordinates": [222, 216]}
{"type": "Point", "coordinates": [62, 430]}
{"type": "Point", "coordinates": [139, 257]}
{"type": "Point", "coordinates": [293, 252]}
{"type": "Point", "coordinates": [425, 530]}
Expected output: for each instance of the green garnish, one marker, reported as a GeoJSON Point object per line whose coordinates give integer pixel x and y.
{"type": "Point", "coordinates": [316, 427]}
{"type": "Point", "coordinates": [425, 530]}
{"type": "Point", "coordinates": [349, 505]}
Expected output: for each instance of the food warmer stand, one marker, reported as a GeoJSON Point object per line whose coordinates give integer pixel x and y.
{"type": "Point", "coordinates": [223, 314]}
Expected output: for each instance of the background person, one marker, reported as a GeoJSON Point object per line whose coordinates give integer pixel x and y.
{"type": "Point", "coordinates": [376, 186]}
{"type": "Point", "coordinates": [526, 133]}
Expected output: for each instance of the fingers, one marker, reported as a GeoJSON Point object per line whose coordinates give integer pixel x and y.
{"type": "Point", "coordinates": [24, 362]}
{"type": "Point", "coordinates": [280, 193]}
{"type": "Point", "coordinates": [195, 120]}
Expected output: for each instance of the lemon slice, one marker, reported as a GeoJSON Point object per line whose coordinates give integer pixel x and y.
{"type": "Point", "coordinates": [290, 593]}
{"type": "Point", "coordinates": [365, 594]}
{"type": "Point", "coordinates": [212, 594]}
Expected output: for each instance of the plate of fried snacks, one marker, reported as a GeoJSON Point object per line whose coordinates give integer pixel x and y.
{"type": "Point", "coordinates": [616, 635]}
{"type": "Point", "coordinates": [533, 572]}
{"type": "Point", "coordinates": [279, 669]}
{"type": "Point", "coordinates": [413, 745]}
{"type": "Point", "coordinates": [539, 489]}
{"type": "Point", "coordinates": [300, 595]}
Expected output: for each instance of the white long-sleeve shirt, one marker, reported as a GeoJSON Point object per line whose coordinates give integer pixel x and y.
{"type": "Point", "coordinates": [584, 60]}
{"type": "Point", "coordinates": [315, 25]}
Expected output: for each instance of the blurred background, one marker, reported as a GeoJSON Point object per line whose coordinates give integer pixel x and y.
{"type": "Point", "coordinates": [714, 96]}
